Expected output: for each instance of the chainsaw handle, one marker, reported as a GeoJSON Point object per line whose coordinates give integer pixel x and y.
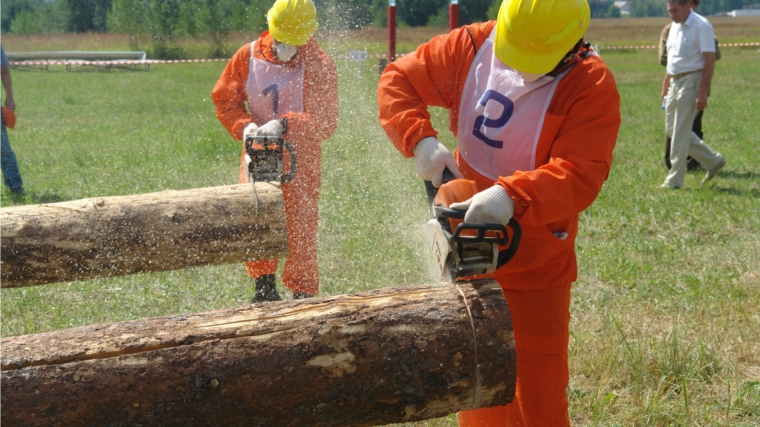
{"type": "Point", "coordinates": [505, 255]}
{"type": "Point", "coordinates": [509, 253]}
{"type": "Point", "coordinates": [432, 191]}
{"type": "Point", "coordinates": [278, 140]}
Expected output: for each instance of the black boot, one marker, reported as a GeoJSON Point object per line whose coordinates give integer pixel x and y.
{"type": "Point", "coordinates": [301, 295]}
{"type": "Point", "coordinates": [266, 289]}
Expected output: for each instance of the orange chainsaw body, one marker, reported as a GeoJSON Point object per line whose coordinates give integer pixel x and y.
{"type": "Point", "coordinates": [455, 191]}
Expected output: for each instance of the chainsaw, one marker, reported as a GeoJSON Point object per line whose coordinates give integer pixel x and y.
{"type": "Point", "coordinates": [463, 249]}
{"type": "Point", "coordinates": [263, 160]}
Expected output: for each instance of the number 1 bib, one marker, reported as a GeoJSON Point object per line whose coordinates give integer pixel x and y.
{"type": "Point", "coordinates": [501, 116]}
{"type": "Point", "coordinates": [273, 90]}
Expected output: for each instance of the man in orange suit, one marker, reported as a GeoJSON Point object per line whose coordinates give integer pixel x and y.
{"type": "Point", "coordinates": [536, 114]}
{"type": "Point", "coordinates": [291, 89]}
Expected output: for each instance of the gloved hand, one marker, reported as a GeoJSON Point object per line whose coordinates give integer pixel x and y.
{"type": "Point", "coordinates": [272, 128]}
{"type": "Point", "coordinates": [490, 206]}
{"type": "Point", "coordinates": [250, 130]}
{"type": "Point", "coordinates": [431, 158]}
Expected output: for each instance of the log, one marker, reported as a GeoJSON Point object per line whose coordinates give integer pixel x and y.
{"type": "Point", "coordinates": [392, 355]}
{"type": "Point", "coordinates": [114, 236]}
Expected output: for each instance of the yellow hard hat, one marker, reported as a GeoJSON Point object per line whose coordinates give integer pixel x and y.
{"type": "Point", "coordinates": [292, 21]}
{"type": "Point", "coordinates": [532, 36]}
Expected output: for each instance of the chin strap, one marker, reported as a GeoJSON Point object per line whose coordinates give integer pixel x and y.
{"type": "Point", "coordinates": [578, 52]}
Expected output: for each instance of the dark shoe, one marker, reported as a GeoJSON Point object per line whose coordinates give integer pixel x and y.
{"type": "Point", "coordinates": [301, 295]}
{"type": "Point", "coordinates": [692, 165]}
{"type": "Point", "coordinates": [19, 191]}
{"type": "Point", "coordinates": [266, 289]}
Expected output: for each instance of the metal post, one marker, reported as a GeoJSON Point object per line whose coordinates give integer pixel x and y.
{"type": "Point", "coordinates": [453, 15]}
{"type": "Point", "coordinates": [391, 30]}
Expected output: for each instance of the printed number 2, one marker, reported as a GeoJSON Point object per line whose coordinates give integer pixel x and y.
{"type": "Point", "coordinates": [274, 90]}
{"type": "Point", "coordinates": [493, 123]}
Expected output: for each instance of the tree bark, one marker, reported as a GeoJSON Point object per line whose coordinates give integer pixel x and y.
{"type": "Point", "coordinates": [114, 236]}
{"type": "Point", "coordinates": [397, 354]}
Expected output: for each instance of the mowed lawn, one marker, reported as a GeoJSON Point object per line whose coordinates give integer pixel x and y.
{"type": "Point", "coordinates": [665, 328]}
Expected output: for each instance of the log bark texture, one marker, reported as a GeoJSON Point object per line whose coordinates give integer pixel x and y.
{"type": "Point", "coordinates": [114, 236]}
{"type": "Point", "coordinates": [397, 354]}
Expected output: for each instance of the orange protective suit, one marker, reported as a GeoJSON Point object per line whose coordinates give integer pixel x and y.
{"type": "Point", "coordinates": [573, 159]}
{"type": "Point", "coordinates": [305, 132]}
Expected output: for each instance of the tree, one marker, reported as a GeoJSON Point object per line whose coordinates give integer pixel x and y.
{"type": "Point", "coordinates": [126, 16]}
{"type": "Point", "coordinates": [87, 15]}
{"type": "Point", "coordinates": [612, 11]}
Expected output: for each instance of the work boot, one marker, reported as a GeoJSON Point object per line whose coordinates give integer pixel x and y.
{"type": "Point", "coordinates": [301, 295]}
{"type": "Point", "coordinates": [266, 289]}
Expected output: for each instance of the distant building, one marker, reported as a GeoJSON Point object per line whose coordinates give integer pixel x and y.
{"type": "Point", "coordinates": [624, 6]}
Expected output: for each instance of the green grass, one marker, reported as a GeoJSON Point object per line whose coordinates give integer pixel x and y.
{"type": "Point", "coordinates": [665, 329]}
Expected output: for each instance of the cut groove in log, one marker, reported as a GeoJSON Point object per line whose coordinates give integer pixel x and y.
{"type": "Point", "coordinates": [392, 355]}
{"type": "Point", "coordinates": [115, 236]}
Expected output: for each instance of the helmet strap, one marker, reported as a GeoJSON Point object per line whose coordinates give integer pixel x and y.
{"type": "Point", "coordinates": [578, 52]}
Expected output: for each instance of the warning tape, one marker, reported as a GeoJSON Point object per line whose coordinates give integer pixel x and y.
{"type": "Point", "coordinates": [657, 47]}
{"type": "Point", "coordinates": [357, 56]}
{"type": "Point", "coordinates": [122, 62]}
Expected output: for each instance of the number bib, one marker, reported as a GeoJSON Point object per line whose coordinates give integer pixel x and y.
{"type": "Point", "coordinates": [501, 116]}
{"type": "Point", "coordinates": [273, 90]}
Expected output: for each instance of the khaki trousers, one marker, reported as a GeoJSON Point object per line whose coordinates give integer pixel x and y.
{"type": "Point", "coordinates": [680, 111]}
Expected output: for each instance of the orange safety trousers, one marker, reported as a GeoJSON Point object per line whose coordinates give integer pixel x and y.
{"type": "Point", "coordinates": [301, 199]}
{"type": "Point", "coordinates": [540, 319]}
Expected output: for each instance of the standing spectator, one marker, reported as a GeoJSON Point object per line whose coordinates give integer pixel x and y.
{"type": "Point", "coordinates": [691, 61]}
{"type": "Point", "coordinates": [691, 164]}
{"type": "Point", "coordinates": [11, 174]}
{"type": "Point", "coordinates": [291, 87]}
{"type": "Point", "coordinates": [536, 114]}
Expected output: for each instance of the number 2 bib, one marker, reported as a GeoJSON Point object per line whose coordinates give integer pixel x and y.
{"type": "Point", "coordinates": [501, 116]}
{"type": "Point", "coordinates": [273, 90]}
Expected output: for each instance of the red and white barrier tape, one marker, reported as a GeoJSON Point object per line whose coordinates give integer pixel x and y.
{"type": "Point", "coordinates": [603, 47]}
{"type": "Point", "coordinates": [123, 62]}
{"type": "Point", "coordinates": [352, 55]}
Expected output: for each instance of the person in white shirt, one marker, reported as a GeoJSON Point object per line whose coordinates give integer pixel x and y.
{"type": "Point", "coordinates": [691, 61]}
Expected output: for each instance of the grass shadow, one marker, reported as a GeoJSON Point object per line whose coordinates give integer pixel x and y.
{"type": "Point", "coordinates": [31, 198]}
{"type": "Point", "coordinates": [738, 175]}
{"type": "Point", "coordinates": [46, 198]}
{"type": "Point", "coordinates": [754, 193]}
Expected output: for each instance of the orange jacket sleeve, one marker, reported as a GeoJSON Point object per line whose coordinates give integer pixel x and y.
{"type": "Point", "coordinates": [229, 94]}
{"type": "Point", "coordinates": [434, 74]}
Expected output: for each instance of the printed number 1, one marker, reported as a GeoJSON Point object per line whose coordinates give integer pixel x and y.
{"type": "Point", "coordinates": [274, 90]}
{"type": "Point", "coordinates": [493, 123]}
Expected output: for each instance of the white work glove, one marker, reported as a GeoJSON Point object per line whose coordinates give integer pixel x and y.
{"type": "Point", "coordinates": [490, 206]}
{"type": "Point", "coordinates": [431, 158]}
{"type": "Point", "coordinates": [250, 130]}
{"type": "Point", "coordinates": [272, 128]}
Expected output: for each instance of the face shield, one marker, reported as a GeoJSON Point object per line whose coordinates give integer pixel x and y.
{"type": "Point", "coordinates": [284, 52]}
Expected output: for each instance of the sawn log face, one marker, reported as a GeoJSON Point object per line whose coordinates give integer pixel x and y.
{"type": "Point", "coordinates": [114, 236]}
{"type": "Point", "coordinates": [391, 355]}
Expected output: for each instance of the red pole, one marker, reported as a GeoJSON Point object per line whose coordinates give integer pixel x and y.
{"type": "Point", "coordinates": [391, 31]}
{"type": "Point", "coordinates": [453, 15]}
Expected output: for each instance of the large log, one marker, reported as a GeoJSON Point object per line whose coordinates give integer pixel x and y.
{"type": "Point", "coordinates": [392, 355]}
{"type": "Point", "coordinates": [114, 236]}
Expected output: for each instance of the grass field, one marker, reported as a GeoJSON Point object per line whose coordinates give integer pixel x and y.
{"type": "Point", "coordinates": [665, 327]}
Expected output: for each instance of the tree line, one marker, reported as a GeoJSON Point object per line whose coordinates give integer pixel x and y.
{"type": "Point", "coordinates": [161, 22]}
